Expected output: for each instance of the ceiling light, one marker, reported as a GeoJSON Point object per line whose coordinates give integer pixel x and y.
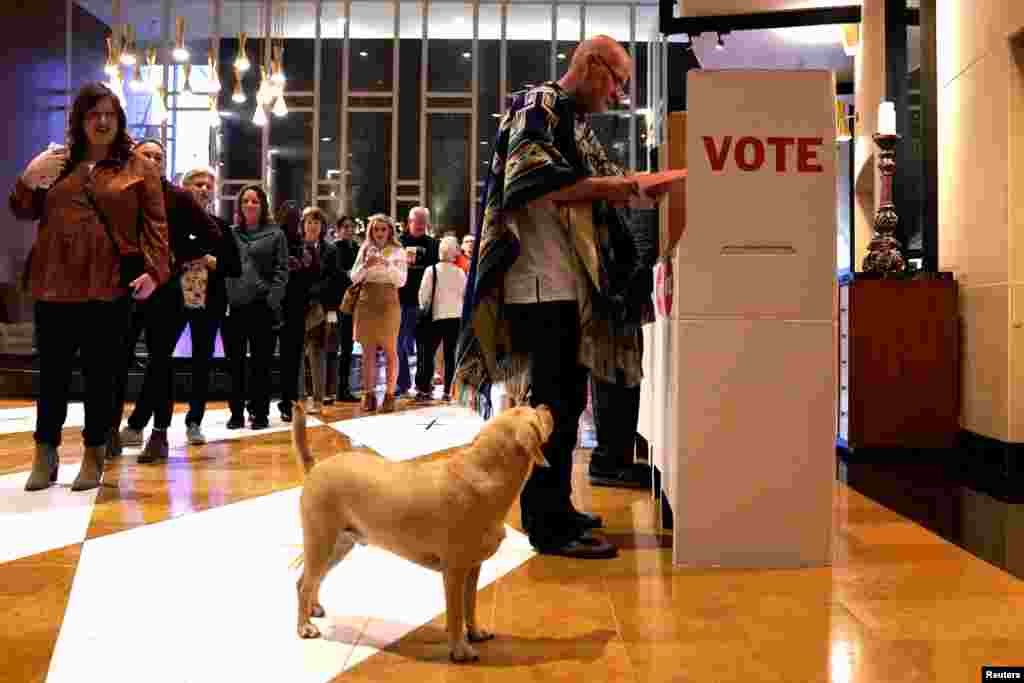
{"type": "Point", "coordinates": [466, 55]}
{"type": "Point", "coordinates": [325, 139]}
{"type": "Point", "coordinates": [214, 115]}
{"type": "Point", "coordinates": [180, 53]}
{"type": "Point", "coordinates": [842, 123]}
{"type": "Point", "coordinates": [561, 55]}
{"type": "Point", "coordinates": [364, 53]}
{"type": "Point", "coordinates": [159, 107]}
{"type": "Point", "coordinates": [211, 60]}
{"type": "Point", "coordinates": [238, 96]}
{"type": "Point", "coordinates": [128, 57]}
{"type": "Point", "coordinates": [137, 85]}
{"type": "Point", "coordinates": [241, 59]}
{"type": "Point", "coordinates": [259, 117]}
{"type": "Point", "coordinates": [483, 142]}
{"type": "Point", "coordinates": [277, 65]}
{"type": "Point", "coordinates": [110, 67]}
{"type": "Point", "coordinates": [280, 108]}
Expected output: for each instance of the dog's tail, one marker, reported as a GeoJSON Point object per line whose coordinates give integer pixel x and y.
{"type": "Point", "coordinates": [299, 441]}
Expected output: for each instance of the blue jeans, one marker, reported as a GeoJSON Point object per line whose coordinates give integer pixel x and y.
{"type": "Point", "coordinates": [406, 347]}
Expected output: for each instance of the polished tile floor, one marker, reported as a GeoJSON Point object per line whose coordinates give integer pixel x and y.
{"type": "Point", "coordinates": [180, 572]}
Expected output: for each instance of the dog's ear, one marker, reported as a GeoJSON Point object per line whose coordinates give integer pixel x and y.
{"type": "Point", "coordinates": [530, 437]}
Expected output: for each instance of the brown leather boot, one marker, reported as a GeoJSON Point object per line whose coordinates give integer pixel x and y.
{"type": "Point", "coordinates": [369, 402]}
{"type": "Point", "coordinates": [44, 468]}
{"type": "Point", "coordinates": [91, 474]}
{"type": "Point", "coordinates": [388, 405]}
{"type": "Point", "coordinates": [156, 448]}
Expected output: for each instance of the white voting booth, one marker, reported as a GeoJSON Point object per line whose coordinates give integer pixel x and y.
{"type": "Point", "coordinates": [744, 429]}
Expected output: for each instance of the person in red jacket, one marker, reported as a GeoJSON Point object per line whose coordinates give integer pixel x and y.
{"type": "Point", "coordinates": [101, 242]}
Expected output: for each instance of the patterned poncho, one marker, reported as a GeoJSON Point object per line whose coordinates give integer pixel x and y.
{"type": "Point", "coordinates": [543, 145]}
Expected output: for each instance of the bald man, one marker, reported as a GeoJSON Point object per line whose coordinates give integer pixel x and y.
{"type": "Point", "coordinates": [523, 311]}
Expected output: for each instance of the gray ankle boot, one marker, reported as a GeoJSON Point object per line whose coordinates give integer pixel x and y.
{"type": "Point", "coordinates": [91, 474]}
{"type": "Point", "coordinates": [44, 468]}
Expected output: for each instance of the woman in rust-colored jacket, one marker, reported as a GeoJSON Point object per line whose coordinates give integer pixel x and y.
{"type": "Point", "coordinates": [102, 240]}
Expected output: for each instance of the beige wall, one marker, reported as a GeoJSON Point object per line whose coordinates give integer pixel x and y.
{"type": "Point", "coordinates": [981, 203]}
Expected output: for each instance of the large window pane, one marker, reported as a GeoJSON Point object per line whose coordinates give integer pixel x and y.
{"type": "Point", "coordinates": [609, 20]}
{"type": "Point", "coordinates": [449, 47]}
{"type": "Point", "coordinates": [568, 30]}
{"type": "Point", "coordinates": [448, 172]}
{"type": "Point", "coordinates": [409, 94]}
{"type": "Point", "coordinates": [332, 33]}
{"type": "Point", "coordinates": [489, 92]}
{"type": "Point", "coordinates": [529, 45]}
{"type": "Point", "coordinates": [372, 31]}
{"type": "Point", "coordinates": [291, 157]}
{"type": "Point", "coordinates": [370, 163]}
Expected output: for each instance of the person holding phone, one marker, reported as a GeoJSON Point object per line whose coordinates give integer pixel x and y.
{"type": "Point", "coordinates": [101, 242]}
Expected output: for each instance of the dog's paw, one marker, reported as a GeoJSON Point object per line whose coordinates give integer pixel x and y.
{"type": "Point", "coordinates": [309, 631]}
{"type": "Point", "coordinates": [463, 652]}
{"type": "Point", "coordinates": [318, 611]}
{"type": "Point", "coordinates": [478, 635]}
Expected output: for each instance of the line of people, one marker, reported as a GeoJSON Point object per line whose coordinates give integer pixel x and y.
{"type": "Point", "coordinates": [120, 251]}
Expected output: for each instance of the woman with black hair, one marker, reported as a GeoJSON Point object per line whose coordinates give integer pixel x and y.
{"type": "Point", "coordinates": [254, 307]}
{"type": "Point", "coordinates": [102, 240]}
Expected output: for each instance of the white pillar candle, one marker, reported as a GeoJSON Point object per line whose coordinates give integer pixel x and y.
{"type": "Point", "coordinates": [887, 118]}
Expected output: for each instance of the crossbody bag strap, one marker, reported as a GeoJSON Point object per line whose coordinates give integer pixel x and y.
{"type": "Point", "coordinates": [103, 219]}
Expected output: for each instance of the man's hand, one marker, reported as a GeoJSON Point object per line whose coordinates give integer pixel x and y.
{"type": "Point", "coordinates": [211, 262]}
{"type": "Point", "coordinates": [142, 287]}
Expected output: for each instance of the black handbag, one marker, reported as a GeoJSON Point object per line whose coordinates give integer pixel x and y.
{"type": "Point", "coordinates": [425, 315]}
{"type": "Point", "coordinates": [132, 265]}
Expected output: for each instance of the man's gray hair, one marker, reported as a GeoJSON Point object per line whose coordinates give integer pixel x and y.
{"type": "Point", "coordinates": [189, 177]}
{"type": "Point", "coordinates": [422, 209]}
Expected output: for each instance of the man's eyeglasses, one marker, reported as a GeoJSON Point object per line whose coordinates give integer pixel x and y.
{"type": "Point", "coordinates": [621, 86]}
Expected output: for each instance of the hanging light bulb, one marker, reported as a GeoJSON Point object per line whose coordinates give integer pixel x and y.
{"type": "Point", "coordinates": [277, 66]}
{"type": "Point", "coordinates": [214, 65]}
{"type": "Point", "coordinates": [280, 108]}
{"type": "Point", "coordinates": [214, 115]}
{"type": "Point", "coordinates": [241, 59]}
{"type": "Point", "coordinates": [265, 94]}
{"type": "Point", "coordinates": [159, 106]}
{"type": "Point", "coordinates": [259, 117]}
{"type": "Point", "coordinates": [137, 84]}
{"type": "Point", "coordinates": [153, 73]}
{"type": "Point", "coordinates": [110, 67]}
{"type": "Point", "coordinates": [238, 96]}
{"type": "Point", "coordinates": [180, 52]}
{"type": "Point", "coordinates": [186, 89]}
{"type": "Point", "coordinates": [128, 57]}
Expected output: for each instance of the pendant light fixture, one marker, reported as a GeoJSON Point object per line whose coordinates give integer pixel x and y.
{"type": "Point", "coordinates": [110, 67]}
{"type": "Point", "coordinates": [259, 117]}
{"type": "Point", "coordinates": [280, 108]}
{"type": "Point", "coordinates": [153, 72]}
{"type": "Point", "coordinates": [238, 96]}
{"type": "Point", "coordinates": [842, 123]}
{"type": "Point", "coordinates": [242, 59]}
{"type": "Point", "coordinates": [214, 114]}
{"type": "Point", "coordinates": [159, 106]}
{"type": "Point", "coordinates": [186, 88]}
{"type": "Point", "coordinates": [138, 84]}
{"type": "Point", "coordinates": [211, 59]}
{"type": "Point", "coordinates": [180, 52]}
{"type": "Point", "coordinates": [128, 56]}
{"type": "Point", "coordinates": [277, 65]}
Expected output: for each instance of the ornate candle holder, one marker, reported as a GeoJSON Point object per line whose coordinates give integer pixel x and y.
{"type": "Point", "coordinates": [884, 250]}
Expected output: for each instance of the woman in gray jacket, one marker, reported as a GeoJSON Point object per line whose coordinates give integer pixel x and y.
{"type": "Point", "coordinates": [254, 307]}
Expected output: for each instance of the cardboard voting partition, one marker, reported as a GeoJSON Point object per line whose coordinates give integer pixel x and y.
{"type": "Point", "coordinates": [753, 363]}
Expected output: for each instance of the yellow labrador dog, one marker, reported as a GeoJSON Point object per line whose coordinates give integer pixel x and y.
{"type": "Point", "coordinates": [447, 515]}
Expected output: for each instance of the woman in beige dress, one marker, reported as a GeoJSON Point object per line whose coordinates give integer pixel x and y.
{"type": "Point", "coordinates": [380, 269]}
